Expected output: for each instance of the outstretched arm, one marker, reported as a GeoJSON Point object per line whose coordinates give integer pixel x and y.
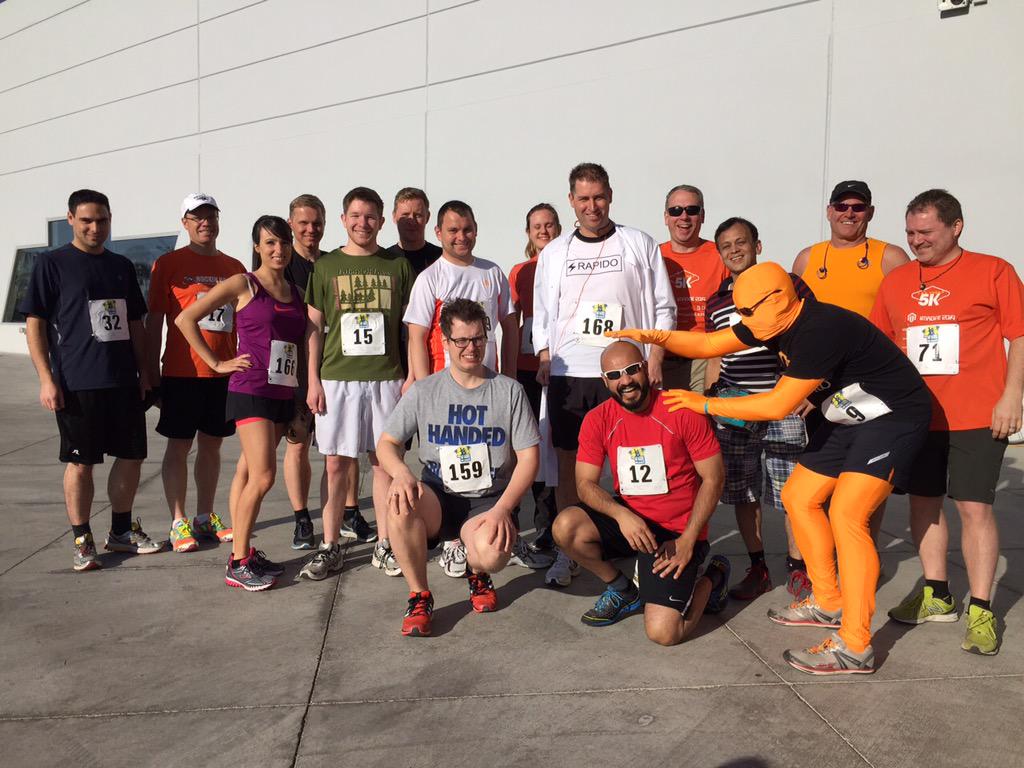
{"type": "Point", "coordinates": [691, 344]}
{"type": "Point", "coordinates": [767, 406]}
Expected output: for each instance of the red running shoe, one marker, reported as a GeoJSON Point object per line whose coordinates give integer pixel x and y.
{"type": "Point", "coordinates": [481, 593]}
{"type": "Point", "coordinates": [417, 616]}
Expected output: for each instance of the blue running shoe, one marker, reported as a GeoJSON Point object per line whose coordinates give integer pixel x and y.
{"type": "Point", "coordinates": [613, 606]}
{"type": "Point", "coordinates": [718, 571]}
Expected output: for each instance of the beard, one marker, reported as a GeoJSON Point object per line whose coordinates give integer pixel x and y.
{"type": "Point", "coordinates": [640, 403]}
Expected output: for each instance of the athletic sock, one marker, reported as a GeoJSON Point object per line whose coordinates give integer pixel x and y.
{"type": "Point", "coordinates": [940, 589]}
{"type": "Point", "coordinates": [756, 557]}
{"type": "Point", "coordinates": [622, 583]}
{"type": "Point", "coordinates": [302, 514]}
{"type": "Point", "coordinates": [80, 530]}
{"type": "Point", "coordinates": [986, 604]}
{"type": "Point", "coordinates": [351, 512]}
{"type": "Point", "coordinates": [120, 522]}
{"type": "Point", "coordinates": [792, 564]}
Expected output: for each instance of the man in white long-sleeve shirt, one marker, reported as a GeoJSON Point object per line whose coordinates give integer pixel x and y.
{"type": "Point", "coordinates": [602, 276]}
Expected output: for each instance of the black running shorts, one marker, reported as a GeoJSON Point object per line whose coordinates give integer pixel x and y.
{"type": "Point", "coordinates": [971, 459]}
{"type": "Point", "coordinates": [570, 399]}
{"type": "Point", "coordinates": [884, 448]}
{"type": "Point", "coordinates": [94, 422]}
{"type": "Point", "coordinates": [190, 405]}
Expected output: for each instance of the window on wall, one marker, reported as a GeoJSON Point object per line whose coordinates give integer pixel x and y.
{"type": "Point", "coordinates": [141, 251]}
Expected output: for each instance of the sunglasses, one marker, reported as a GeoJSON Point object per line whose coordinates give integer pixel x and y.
{"type": "Point", "coordinates": [749, 311]}
{"type": "Point", "coordinates": [464, 341]}
{"type": "Point", "coordinates": [855, 207]}
{"type": "Point", "coordinates": [677, 210]}
{"type": "Point", "coordinates": [629, 370]}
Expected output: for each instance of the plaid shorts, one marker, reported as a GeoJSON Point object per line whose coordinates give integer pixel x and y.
{"type": "Point", "coordinates": [780, 441]}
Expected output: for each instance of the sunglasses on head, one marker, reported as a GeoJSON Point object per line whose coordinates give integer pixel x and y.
{"type": "Point", "coordinates": [629, 370]}
{"type": "Point", "coordinates": [749, 311]}
{"type": "Point", "coordinates": [855, 207]}
{"type": "Point", "coordinates": [677, 210]}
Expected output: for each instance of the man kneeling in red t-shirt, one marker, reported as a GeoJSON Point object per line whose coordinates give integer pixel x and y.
{"type": "Point", "coordinates": [668, 476]}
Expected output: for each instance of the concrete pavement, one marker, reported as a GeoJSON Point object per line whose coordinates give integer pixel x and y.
{"type": "Point", "coordinates": [153, 661]}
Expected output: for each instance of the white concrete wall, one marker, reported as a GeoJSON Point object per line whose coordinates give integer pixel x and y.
{"type": "Point", "coordinates": [763, 103]}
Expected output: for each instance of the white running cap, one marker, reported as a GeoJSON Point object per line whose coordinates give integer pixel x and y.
{"type": "Point", "coordinates": [196, 200]}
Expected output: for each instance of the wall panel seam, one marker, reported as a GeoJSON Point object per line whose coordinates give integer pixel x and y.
{"type": "Point", "coordinates": [42, 21]}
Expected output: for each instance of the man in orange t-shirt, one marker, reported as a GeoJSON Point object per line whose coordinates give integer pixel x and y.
{"type": "Point", "coordinates": [950, 311]}
{"type": "Point", "coordinates": [696, 271]}
{"type": "Point", "coordinates": [192, 395]}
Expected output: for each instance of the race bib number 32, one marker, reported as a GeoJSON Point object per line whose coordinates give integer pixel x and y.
{"type": "Point", "coordinates": [465, 468]}
{"type": "Point", "coordinates": [593, 319]}
{"type": "Point", "coordinates": [934, 349]}
{"type": "Point", "coordinates": [641, 470]}
{"type": "Point", "coordinates": [284, 364]}
{"type": "Point", "coordinates": [109, 319]}
{"type": "Point", "coordinates": [362, 334]}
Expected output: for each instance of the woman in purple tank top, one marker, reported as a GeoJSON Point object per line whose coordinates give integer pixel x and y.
{"type": "Point", "coordinates": [270, 317]}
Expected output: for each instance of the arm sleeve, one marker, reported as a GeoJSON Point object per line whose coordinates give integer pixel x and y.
{"type": "Point", "coordinates": [136, 304]}
{"type": "Point", "coordinates": [158, 287]}
{"type": "Point", "coordinates": [1009, 300]}
{"type": "Point", "coordinates": [421, 304]}
{"type": "Point", "coordinates": [592, 449]}
{"type": "Point", "coordinates": [664, 299]}
{"type": "Point", "coordinates": [699, 346]}
{"type": "Point", "coordinates": [698, 436]}
{"type": "Point", "coordinates": [543, 302]}
{"type": "Point", "coordinates": [402, 423]}
{"type": "Point", "coordinates": [803, 291]}
{"type": "Point", "coordinates": [407, 282]}
{"type": "Point", "coordinates": [767, 406]}
{"type": "Point", "coordinates": [40, 297]}
{"type": "Point", "coordinates": [505, 307]}
{"type": "Point", "coordinates": [314, 292]}
{"type": "Point", "coordinates": [525, 432]}
{"type": "Point", "coordinates": [880, 317]}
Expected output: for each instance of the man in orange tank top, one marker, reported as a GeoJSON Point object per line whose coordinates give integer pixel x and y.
{"type": "Point", "coordinates": [695, 270]}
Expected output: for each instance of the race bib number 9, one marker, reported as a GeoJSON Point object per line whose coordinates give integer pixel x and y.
{"type": "Point", "coordinates": [284, 364]}
{"type": "Point", "coordinates": [219, 320]}
{"type": "Point", "coordinates": [526, 340]}
{"type": "Point", "coordinates": [362, 334]}
{"type": "Point", "coordinates": [109, 319]}
{"type": "Point", "coordinates": [593, 319]}
{"type": "Point", "coordinates": [465, 468]}
{"type": "Point", "coordinates": [641, 470]}
{"type": "Point", "coordinates": [934, 349]}
{"type": "Point", "coordinates": [852, 405]}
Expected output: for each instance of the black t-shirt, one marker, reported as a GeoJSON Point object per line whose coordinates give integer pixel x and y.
{"type": "Point", "coordinates": [421, 258]}
{"type": "Point", "coordinates": [297, 272]}
{"type": "Point", "coordinates": [87, 301]}
{"type": "Point", "coordinates": [848, 352]}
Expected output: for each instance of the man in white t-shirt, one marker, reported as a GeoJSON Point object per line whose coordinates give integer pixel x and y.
{"type": "Point", "coordinates": [458, 274]}
{"type": "Point", "coordinates": [600, 277]}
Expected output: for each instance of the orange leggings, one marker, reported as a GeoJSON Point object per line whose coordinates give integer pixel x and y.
{"type": "Point", "coordinates": [843, 532]}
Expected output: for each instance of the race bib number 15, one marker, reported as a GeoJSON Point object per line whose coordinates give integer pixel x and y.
{"type": "Point", "coordinates": [362, 334]}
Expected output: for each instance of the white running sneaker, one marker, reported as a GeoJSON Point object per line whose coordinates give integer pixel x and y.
{"type": "Point", "coordinates": [523, 555]}
{"type": "Point", "coordinates": [453, 559]}
{"type": "Point", "coordinates": [384, 559]}
{"type": "Point", "coordinates": [560, 574]}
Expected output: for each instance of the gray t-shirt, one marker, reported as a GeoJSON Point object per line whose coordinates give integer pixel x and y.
{"type": "Point", "coordinates": [451, 419]}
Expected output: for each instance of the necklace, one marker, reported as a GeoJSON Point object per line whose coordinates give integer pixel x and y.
{"type": "Point", "coordinates": [920, 271]}
{"type": "Point", "coordinates": [862, 263]}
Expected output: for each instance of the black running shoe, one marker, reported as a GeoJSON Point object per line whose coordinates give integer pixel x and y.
{"type": "Point", "coordinates": [357, 528]}
{"type": "Point", "coordinates": [303, 538]}
{"type": "Point", "coordinates": [260, 562]}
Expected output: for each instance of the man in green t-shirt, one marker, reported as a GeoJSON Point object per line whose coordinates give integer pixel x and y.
{"type": "Point", "coordinates": [357, 295]}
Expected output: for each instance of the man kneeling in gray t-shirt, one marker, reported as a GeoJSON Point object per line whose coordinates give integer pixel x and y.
{"type": "Point", "coordinates": [478, 441]}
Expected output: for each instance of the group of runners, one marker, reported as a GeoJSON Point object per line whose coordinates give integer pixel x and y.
{"type": "Point", "coordinates": [696, 374]}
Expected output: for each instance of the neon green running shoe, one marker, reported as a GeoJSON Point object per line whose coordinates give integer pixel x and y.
{"type": "Point", "coordinates": [212, 529]}
{"type": "Point", "coordinates": [924, 606]}
{"type": "Point", "coordinates": [981, 635]}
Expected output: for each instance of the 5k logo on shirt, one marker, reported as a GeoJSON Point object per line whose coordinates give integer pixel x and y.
{"type": "Point", "coordinates": [930, 296]}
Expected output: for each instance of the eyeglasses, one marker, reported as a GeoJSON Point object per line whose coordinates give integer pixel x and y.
{"type": "Point", "coordinates": [677, 210]}
{"type": "Point", "coordinates": [749, 311]}
{"type": "Point", "coordinates": [203, 217]}
{"type": "Point", "coordinates": [465, 341]}
{"type": "Point", "coordinates": [629, 370]}
{"type": "Point", "coordinates": [855, 207]}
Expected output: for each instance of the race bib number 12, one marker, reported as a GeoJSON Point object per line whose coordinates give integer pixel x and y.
{"type": "Point", "coordinates": [641, 470]}
{"type": "Point", "coordinates": [593, 319]}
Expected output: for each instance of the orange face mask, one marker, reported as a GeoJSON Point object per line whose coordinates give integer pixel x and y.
{"type": "Point", "coordinates": [767, 290]}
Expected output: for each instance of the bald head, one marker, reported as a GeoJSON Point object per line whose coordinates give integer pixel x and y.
{"type": "Point", "coordinates": [631, 389]}
{"type": "Point", "coordinates": [619, 354]}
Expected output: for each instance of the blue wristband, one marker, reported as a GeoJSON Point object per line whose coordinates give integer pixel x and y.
{"type": "Point", "coordinates": [706, 408]}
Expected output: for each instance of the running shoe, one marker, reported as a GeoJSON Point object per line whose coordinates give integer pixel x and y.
{"type": "Point", "coordinates": [981, 637]}
{"type": "Point", "coordinates": [265, 564]}
{"type": "Point", "coordinates": [533, 559]}
{"type": "Point", "coordinates": [357, 528]}
{"type": "Point", "coordinates": [561, 572]}
{"type": "Point", "coordinates": [329, 558]}
{"type": "Point", "coordinates": [417, 616]}
{"type": "Point", "coordinates": [212, 529]}
{"type": "Point", "coordinates": [805, 613]}
{"type": "Point", "coordinates": [613, 606]}
{"type": "Point", "coordinates": [924, 606]}
{"type": "Point", "coordinates": [481, 592]}
{"type": "Point", "coordinates": [453, 559]}
{"type": "Point", "coordinates": [85, 558]}
{"type": "Point", "coordinates": [133, 540]}
{"type": "Point", "coordinates": [544, 542]}
{"type": "Point", "coordinates": [247, 575]}
{"type": "Point", "coordinates": [718, 571]}
{"type": "Point", "coordinates": [832, 657]}
{"type": "Point", "coordinates": [384, 559]}
{"type": "Point", "coordinates": [182, 539]}
{"type": "Point", "coordinates": [799, 584]}
{"type": "Point", "coordinates": [303, 537]}
{"type": "Point", "coordinates": [757, 581]}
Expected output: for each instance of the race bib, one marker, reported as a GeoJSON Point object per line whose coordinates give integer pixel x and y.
{"type": "Point", "coordinates": [934, 349]}
{"type": "Point", "coordinates": [593, 319]}
{"type": "Point", "coordinates": [465, 468]}
{"type": "Point", "coordinates": [362, 334]}
{"type": "Point", "coordinates": [526, 338]}
{"type": "Point", "coordinates": [852, 405]}
{"type": "Point", "coordinates": [220, 320]}
{"type": "Point", "coordinates": [109, 319]}
{"type": "Point", "coordinates": [284, 364]}
{"type": "Point", "coordinates": [642, 470]}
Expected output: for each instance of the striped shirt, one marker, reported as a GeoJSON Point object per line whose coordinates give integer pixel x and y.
{"type": "Point", "coordinates": [757, 369]}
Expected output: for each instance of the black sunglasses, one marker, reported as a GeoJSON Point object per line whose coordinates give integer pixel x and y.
{"type": "Point", "coordinates": [855, 207]}
{"type": "Point", "coordinates": [749, 311]}
{"type": "Point", "coordinates": [629, 370]}
{"type": "Point", "coordinates": [677, 210]}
